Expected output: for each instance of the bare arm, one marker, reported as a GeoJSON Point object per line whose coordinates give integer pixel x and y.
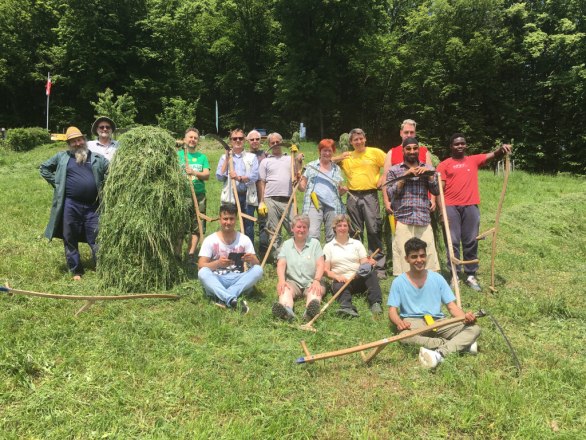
{"type": "Point", "coordinates": [260, 187]}
{"type": "Point", "coordinates": [397, 320]}
{"type": "Point", "coordinates": [504, 149]}
{"type": "Point", "coordinates": [319, 271]}
{"type": "Point", "coordinates": [213, 264]}
{"type": "Point", "coordinates": [281, 271]}
{"type": "Point", "coordinates": [457, 312]}
{"type": "Point", "coordinates": [250, 259]}
{"type": "Point", "coordinates": [303, 184]}
{"type": "Point", "coordinates": [201, 175]}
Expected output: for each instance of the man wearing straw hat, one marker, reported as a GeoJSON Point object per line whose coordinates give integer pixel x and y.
{"type": "Point", "coordinates": [103, 128]}
{"type": "Point", "coordinates": [77, 175]}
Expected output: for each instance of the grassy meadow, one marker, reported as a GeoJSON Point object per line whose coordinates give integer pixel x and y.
{"type": "Point", "coordinates": [187, 369]}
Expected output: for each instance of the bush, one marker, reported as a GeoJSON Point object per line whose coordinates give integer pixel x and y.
{"type": "Point", "coordinates": [295, 138]}
{"type": "Point", "coordinates": [177, 116]}
{"type": "Point", "coordinates": [344, 142]}
{"type": "Point", "coordinates": [121, 109]}
{"type": "Point", "coordinates": [25, 139]}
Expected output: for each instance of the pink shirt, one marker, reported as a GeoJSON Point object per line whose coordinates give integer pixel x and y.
{"type": "Point", "coordinates": [461, 179]}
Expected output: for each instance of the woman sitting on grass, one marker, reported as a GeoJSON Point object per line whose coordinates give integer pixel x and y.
{"type": "Point", "coordinates": [300, 267]}
{"type": "Point", "coordinates": [343, 257]}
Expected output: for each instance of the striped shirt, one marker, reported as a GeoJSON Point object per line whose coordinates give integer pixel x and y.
{"type": "Point", "coordinates": [314, 177]}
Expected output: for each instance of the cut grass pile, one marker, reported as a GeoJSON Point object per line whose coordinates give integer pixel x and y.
{"type": "Point", "coordinates": [143, 213]}
{"type": "Point", "coordinates": [186, 369]}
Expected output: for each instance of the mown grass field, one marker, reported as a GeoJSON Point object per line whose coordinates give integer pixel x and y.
{"type": "Point", "coordinates": [186, 369]}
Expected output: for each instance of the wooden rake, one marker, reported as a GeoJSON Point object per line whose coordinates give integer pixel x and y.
{"type": "Point", "coordinates": [494, 230]}
{"type": "Point", "coordinates": [90, 300]}
{"type": "Point", "coordinates": [453, 260]}
{"type": "Point", "coordinates": [378, 346]}
{"type": "Point", "coordinates": [278, 228]}
{"type": "Point", "coordinates": [309, 326]}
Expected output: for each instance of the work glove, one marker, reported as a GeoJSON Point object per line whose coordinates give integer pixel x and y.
{"type": "Point", "coordinates": [294, 148]}
{"type": "Point", "coordinates": [262, 209]}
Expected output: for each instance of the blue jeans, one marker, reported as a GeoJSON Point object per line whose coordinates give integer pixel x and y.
{"type": "Point", "coordinates": [80, 223]}
{"type": "Point", "coordinates": [229, 286]}
{"type": "Point", "coordinates": [248, 224]}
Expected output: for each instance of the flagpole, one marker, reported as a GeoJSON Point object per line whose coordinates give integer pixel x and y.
{"type": "Point", "coordinates": [217, 127]}
{"type": "Point", "coordinates": [48, 93]}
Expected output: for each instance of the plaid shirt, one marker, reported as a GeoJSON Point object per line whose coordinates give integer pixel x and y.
{"type": "Point", "coordinates": [411, 203]}
{"type": "Point", "coordinates": [311, 174]}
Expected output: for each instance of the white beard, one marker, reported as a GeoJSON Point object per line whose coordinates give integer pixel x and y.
{"type": "Point", "coordinates": [80, 155]}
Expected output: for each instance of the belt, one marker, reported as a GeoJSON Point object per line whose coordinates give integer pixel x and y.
{"type": "Point", "coordinates": [282, 199]}
{"type": "Point", "coordinates": [363, 192]}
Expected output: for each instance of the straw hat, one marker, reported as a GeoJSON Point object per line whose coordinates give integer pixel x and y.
{"type": "Point", "coordinates": [73, 133]}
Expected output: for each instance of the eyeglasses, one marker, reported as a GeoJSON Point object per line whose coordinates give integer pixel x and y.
{"type": "Point", "coordinates": [254, 140]}
{"type": "Point", "coordinates": [238, 138]}
{"type": "Point", "coordinates": [104, 127]}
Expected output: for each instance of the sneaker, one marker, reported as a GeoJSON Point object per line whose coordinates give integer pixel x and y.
{"type": "Point", "coordinates": [244, 309]}
{"type": "Point", "coordinates": [233, 303]}
{"type": "Point", "coordinates": [282, 312]}
{"type": "Point", "coordinates": [376, 309]}
{"type": "Point", "coordinates": [473, 349]}
{"type": "Point", "coordinates": [429, 358]}
{"type": "Point", "coordinates": [312, 309]}
{"type": "Point", "coordinates": [472, 282]}
{"type": "Point", "coordinates": [347, 312]}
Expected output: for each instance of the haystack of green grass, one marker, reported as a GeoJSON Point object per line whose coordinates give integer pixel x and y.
{"type": "Point", "coordinates": [144, 210]}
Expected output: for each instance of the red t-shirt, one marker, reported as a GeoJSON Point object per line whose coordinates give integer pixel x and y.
{"type": "Point", "coordinates": [461, 177]}
{"type": "Point", "coordinates": [397, 154]}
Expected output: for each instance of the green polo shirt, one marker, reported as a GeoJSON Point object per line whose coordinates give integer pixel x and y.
{"type": "Point", "coordinates": [301, 266]}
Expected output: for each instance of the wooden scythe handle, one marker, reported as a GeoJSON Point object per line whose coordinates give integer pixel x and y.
{"type": "Point", "coordinates": [379, 345]}
{"type": "Point", "coordinates": [309, 325]}
{"type": "Point", "coordinates": [278, 228]}
{"type": "Point", "coordinates": [449, 240]}
{"type": "Point", "coordinates": [497, 220]}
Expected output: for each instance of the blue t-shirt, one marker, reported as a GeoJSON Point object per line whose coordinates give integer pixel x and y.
{"type": "Point", "coordinates": [414, 303]}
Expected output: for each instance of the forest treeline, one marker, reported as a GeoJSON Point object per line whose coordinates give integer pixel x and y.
{"type": "Point", "coordinates": [496, 70]}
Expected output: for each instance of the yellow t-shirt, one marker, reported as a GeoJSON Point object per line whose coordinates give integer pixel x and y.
{"type": "Point", "coordinates": [363, 169]}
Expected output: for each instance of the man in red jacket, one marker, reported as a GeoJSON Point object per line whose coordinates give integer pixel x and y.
{"type": "Point", "coordinates": [459, 175]}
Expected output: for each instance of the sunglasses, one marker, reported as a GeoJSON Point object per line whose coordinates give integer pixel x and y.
{"type": "Point", "coordinates": [238, 138]}
{"type": "Point", "coordinates": [254, 140]}
{"type": "Point", "coordinates": [104, 127]}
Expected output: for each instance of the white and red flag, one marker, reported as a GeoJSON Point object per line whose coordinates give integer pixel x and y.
{"type": "Point", "coordinates": [48, 85]}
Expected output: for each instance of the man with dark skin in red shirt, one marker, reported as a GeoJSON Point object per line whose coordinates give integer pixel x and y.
{"type": "Point", "coordinates": [459, 177]}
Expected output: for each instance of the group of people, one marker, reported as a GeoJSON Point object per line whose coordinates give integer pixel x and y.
{"type": "Point", "coordinates": [262, 183]}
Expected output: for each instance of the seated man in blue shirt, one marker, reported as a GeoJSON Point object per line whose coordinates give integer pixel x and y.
{"type": "Point", "coordinates": [420, 292]}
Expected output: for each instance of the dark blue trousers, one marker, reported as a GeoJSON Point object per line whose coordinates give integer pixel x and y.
{"type": "Point", "coordinates": [79, 220]}
{"type": "Point", "coordinates": [464, 226]}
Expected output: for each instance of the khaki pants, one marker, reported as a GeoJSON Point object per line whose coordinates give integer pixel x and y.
{"type": "Point", "coordinates": [403, 233]}
{"type": "Point", "coordinates": [449, 339]}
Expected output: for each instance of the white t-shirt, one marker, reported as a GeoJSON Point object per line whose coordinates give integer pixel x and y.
{"type": "Point", "coordinates": [344, 258]}
{"type": "Point", "coordinates": [214, 248]}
